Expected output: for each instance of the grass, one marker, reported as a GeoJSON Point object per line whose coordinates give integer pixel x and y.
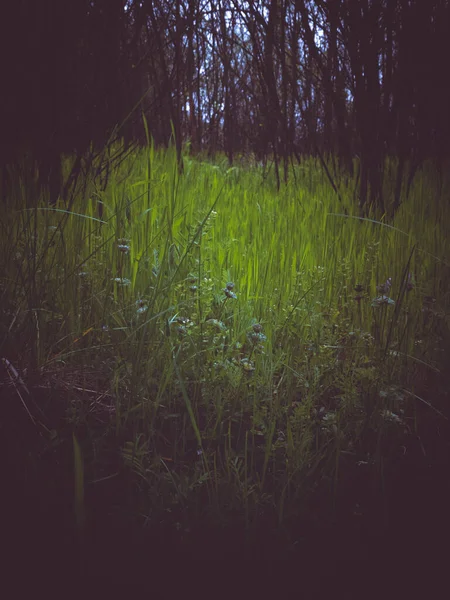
{"type": "Point", "coordinates": [205, 350]}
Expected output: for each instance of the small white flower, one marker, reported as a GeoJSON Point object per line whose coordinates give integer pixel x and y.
{"type": "Point", "coordinates": [391, 417]}
{"type": "Point", "coordinates": [121, 280]}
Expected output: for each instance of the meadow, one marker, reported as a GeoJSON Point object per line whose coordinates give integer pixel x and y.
{"type": "Point", "coordinates": [196, 349]}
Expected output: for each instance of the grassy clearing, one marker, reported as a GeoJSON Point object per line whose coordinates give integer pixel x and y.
{"type": "Point", "coordinates": [197, 348]}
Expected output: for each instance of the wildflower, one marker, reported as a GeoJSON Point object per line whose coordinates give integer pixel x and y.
{"type": "Point", "coordinates": [247, 365]}
{"type": "Point", "coordinates": [217, 324]}
{"type": "Point", "coordinates": [121, 281]}
{"type": "Point", "coordinates": [228, 290]}
{"type": "Point", "coordinates": [255, 337]}
{"type": "Point", "coordinates": [391, 417]}
{"type": "Point", "coordinates": [329, 417]}
{"type": "Point", "coordinates": [381, 300]}
{"type": "Point", "coordinates": [142, 306]}
{"type": "Point", "coordinates": [329, 422]}
{"type": "Point", "coordinates": [123, 245]}
{"type": "Point", "coordinates": [183, 320]}
{"type": "Point", "coordinates": [358, 288]}
{"type": "Point", "coordinates": [385, 287]}
{"type": "Point", "coordinates": [230, 294]}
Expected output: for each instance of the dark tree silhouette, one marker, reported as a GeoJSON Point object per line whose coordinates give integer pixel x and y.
{"type": "Point", "coordinates": [276, 79]}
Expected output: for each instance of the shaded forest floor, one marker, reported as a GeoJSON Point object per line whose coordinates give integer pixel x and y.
{"type": "Point", "coordinates": [395, 537]}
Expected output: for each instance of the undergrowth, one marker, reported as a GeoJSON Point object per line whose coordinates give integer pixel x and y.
{"type": "Point", "coordinates": [185, 348]}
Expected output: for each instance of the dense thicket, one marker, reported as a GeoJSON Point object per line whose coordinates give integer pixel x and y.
{"type": "Point", "coordinates": [277, 78]}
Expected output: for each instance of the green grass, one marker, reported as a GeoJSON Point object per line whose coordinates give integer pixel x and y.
{"type": "Point", "coordinates": [220, 352]}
